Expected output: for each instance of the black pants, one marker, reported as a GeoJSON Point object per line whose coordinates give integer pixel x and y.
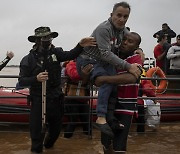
{"type": "Point", "coordinates": [141, 118]}
{"type": "Point", "coordinates": [76, 110]}
{"type": "Point", "coordinates": [53, 117]}
{"type": "Point", "coordinates": [120, 137]}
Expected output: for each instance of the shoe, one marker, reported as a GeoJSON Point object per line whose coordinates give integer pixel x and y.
{"type": "Point", "coordinates": [115, 125]}
{"type": "Point", "coordinates": [104, 128]}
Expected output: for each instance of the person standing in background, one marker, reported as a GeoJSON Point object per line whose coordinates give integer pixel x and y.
{"type": "Point", "coordinates": [77, 109]}
{"type": "Point", "coordinates": [166, 30]}
{"type": "Point", "coordinates": [174, 56]}
{"type": "Point", "coordinates": [159, 52]}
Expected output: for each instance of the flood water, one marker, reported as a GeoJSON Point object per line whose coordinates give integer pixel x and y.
{"type": "Point", "coordinates": [14, 139]}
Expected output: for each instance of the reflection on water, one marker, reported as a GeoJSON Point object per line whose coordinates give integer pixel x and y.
{"type": "Point", "coordinates": [15, 140]}
{"type": "Point", "coordinates": [9, 82]}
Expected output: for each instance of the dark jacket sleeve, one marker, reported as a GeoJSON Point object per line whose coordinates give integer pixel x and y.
{"type": "Point", "coordinates": [157, 33]}
{"type": "Point", "coordinates": [25, 77]}
{"type": "Point", "coordinates": [69, 55]}
{"type": "Point", "coordinates": [171, 33]}
{"type": "Point", "coordinates": [4, 62]}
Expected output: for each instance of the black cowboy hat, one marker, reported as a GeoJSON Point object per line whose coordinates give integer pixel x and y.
{"type": "Point", "coordinates": [40, 32]}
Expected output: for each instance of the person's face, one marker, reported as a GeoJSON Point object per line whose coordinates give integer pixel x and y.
{"type": "Point", "coordinates": [46, 38]}
{"type": "Point", "coordinates": [164, 40]}
{"type": "Point", "coordinates": [38, 41]}
{"type": "Point", "coordinates": [46, 41]}
{"type": "Point", "coordinates": [178, 41]}
{"type": "Point", "coordinates": [164, 27]}
{"type": "Point", "coordinates": [120, 17]}
{"type": "Point", "coordinates": [129, 44]}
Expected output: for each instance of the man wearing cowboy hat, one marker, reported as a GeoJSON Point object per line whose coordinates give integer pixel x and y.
{"type": "Point", "coordinates": [43, 64]}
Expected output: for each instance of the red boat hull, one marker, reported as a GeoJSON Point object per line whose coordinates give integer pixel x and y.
{"type": "Point", "coordinates": [16, 109]}
{"type": "Point", "coordinates": [13, 106]}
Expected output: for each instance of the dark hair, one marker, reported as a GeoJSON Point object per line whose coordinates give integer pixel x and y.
{"type": "Point", "coordinates": [139, 37]}
{"type": "Point", "coordinates": [123, 4]}
{"type": "Point", "coordinates": [128, 28]}
{"type": "Point", "coordinates": [161, 36]}
{"type": "Point", "coordinates": [164, 24]}
{"type": "Point", "coordinates": [178, 36]}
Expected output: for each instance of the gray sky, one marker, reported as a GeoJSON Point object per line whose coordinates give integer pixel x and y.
{"type": "Point", "coordinates": [75, 19]}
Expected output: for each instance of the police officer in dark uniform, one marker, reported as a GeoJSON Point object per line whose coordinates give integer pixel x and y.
{"type": "Point", "coordinates": [43, 64]}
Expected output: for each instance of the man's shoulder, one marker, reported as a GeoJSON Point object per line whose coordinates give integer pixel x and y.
{"type": "Point", "coordinates": [57, 50]}
{"type": "Point", "coordinates": [31, 53]}
{"type": "Point", "coordinates": [25, 59]}
{"type": "Point", "coordinates": [175, 47]}
{"type": "Point", "coordinates": [135, 58]}
{"type": "Point", "coordinates": [158, 46]}
{"type": "Point", "coordinates": [104, 25]}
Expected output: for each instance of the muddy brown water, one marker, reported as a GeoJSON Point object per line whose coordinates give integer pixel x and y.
{"type": "Point", "coordinates": [14, 139]}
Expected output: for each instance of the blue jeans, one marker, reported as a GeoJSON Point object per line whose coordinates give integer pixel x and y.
{"type": "Point", "coordinates": [104, 91]}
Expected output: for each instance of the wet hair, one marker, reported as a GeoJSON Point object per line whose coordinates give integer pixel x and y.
{"type": "Point", "coordinates": [139, 37]}
{"type": "Point", "coordinates": [123, 4]}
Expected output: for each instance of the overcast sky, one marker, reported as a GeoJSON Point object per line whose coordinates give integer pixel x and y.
{"type": "Point", "coordinates": [75, 19]}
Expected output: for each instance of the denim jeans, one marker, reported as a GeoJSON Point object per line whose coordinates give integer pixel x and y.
{"type": "Point", "coordinates": [104, 91]}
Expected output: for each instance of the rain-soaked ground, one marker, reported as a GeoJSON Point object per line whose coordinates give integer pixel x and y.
{"type": "Point", "coordinates": [165, 140]}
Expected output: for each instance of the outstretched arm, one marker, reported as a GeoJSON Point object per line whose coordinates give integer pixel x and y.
{"type": "Point", "coordinates": [74, 53]}
{"type": "Point", "coordinates": [122, 78]}
{"type": "Point", "coordinates": [125, 78]}
{"type": "Point", "coordinates": [9, 55]}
